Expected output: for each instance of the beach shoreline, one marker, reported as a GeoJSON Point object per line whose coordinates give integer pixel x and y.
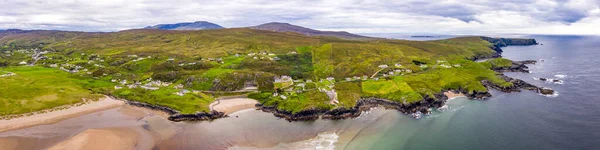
{"type": "Point", "coordinates": [229, 106]}
{"type": "Point", "coordinates": [451, 95]}
{"type": "Point", "coordinates": [59, 115]}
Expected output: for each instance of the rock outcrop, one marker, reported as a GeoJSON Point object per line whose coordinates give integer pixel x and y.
{"type": "Point", "coordinates": [498, 43]}
{"type": "Point", "coordinates": [362, 105]}
{"type": "Point", "coordinates": [517, 66]}
{"type": "Point", "coordinates": [176, 115]}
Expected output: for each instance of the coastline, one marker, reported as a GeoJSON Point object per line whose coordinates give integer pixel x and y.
{"type": "Point", "coordinates": [58, 115]}
{"type": "Point", "coordinates": [98, 139]}
{"type": "Point", "coordinates": [229, 106]}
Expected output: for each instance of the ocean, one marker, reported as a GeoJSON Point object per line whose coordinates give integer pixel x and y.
{"type": "Point", "coordinates": [524, 120]}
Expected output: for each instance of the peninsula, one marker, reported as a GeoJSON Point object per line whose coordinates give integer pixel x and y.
{"type": "Point", "coordinates": [293, 72]}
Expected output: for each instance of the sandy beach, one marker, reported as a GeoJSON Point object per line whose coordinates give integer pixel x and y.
{"type": "Point", "coordinates": [92, 139]}
{"type": "Point", "coordinates": [452, 95]}
{"type": "Point", "coordinates": [58, 115]}
{"type": "Point", "coordinates": [229, 106]}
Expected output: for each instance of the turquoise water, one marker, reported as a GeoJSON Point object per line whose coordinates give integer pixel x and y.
{"type": "Point", "coordinates": [523, 120]}
{"type": "Point", "coordinates": [514, 121]}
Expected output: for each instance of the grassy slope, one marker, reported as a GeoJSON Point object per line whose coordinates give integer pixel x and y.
{"type": "Point", "coordinates": [317, 58]}
{"type": "Point", "coordinates": [37, 88]}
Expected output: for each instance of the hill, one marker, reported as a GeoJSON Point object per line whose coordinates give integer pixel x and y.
{"type": "Point", "coordinates": [198, 25]}
{"type": "Point", "coordinates": [286, 27]}
{"type": "Point", "coordinates": [187, 70]}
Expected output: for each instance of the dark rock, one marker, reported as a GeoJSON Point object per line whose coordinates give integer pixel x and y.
{"type": "Point", "coordinates": [363, 104]}
{"type": "Point", "coordinates": [517, 66]}
{"type": "Point", "coordinates": [546, 91]}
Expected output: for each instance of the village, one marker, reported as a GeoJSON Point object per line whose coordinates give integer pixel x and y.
{"type": "Point", "coordinates": [288, 86]}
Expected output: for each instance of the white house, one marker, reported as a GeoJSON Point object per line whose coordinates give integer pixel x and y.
{"type": "Point", "coordinates": [383, 66]}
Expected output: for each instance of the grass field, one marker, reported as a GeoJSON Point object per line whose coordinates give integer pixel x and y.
{"type": "Point", "coordinates": [37, 88]}
{"type": "Point", "coordinates": [249, 57]}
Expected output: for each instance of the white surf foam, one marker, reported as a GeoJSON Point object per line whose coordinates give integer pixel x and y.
{"type": "Point", "coordinates": [555, 94]}
{"type": "Point", "coordinates": [560, 76]}
{"type": "Point", "coordinates": [323, 141]}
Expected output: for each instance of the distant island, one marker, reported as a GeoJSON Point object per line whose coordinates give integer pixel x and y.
{"type": "Point", "coordinates": [293, 72]}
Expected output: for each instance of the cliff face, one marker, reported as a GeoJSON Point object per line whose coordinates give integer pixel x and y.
{"type": "Point", "coordinates": [503, 42]}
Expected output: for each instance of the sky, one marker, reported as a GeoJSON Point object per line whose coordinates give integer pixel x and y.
{"type": "Point", "coordinates": [463, 17]}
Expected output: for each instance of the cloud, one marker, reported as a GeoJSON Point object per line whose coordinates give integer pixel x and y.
{"type": "Point", "coordinates": [359, 16]}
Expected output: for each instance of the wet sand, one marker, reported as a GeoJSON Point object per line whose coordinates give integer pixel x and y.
{"type": "Point", "coordinates": [229, 106]}
{"type": "Point", "coordinates": [58, 115]}
{"type": "Point", "coordinates": [100, 139]}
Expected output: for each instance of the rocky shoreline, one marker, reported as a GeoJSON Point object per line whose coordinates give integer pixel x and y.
{"type": "Point", "coordinates": [366, 103]}
{"type": "Point", "coordinates": [362, 105]}
{"type": "Point", "coordinates": [176, 115]}
{"type": "Point", "coordinates": [425, 105]}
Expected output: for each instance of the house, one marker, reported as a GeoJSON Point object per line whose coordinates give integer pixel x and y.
{"type": "Point", "coordinates": [398, 65]}
{"type": "Point", "coordinates": [131, 86]}
{"type": "Point", "coordinates": [457, 65]}
{"type": "Point", "coordinates": [445, 66]}
{"type": "Point", "coordinates": [182, 92]}
{"type": "Point", "coordinates": [330, 78]}
{"type": "Point", "coordinates": [283, 79]}
{"type": "Point", "coordinates": [283, 97]}
{"type": "Point", "coordinates": [348, 79]}
{"type": "Point", "coordinates": [118, 87]}
{"type": "Point", "coordinates": [53, 65]}
{"type": "Point", "coordinates": [23, 63]}
{"type": "Point", "coordinates": [383, 66]}
{"type": "Point", "coordinates": [171, 59]}
{"type": "Point", "coordinates": [179, 86]}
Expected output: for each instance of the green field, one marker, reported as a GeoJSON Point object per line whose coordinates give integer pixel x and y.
{"type": "Point", "coordinates": [37, 88]}
{"type": "Point", "coordinates": [227, 60]}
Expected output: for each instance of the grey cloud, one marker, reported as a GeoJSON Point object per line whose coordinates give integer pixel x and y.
{"type": "Point", "coordinates": [461, 16]}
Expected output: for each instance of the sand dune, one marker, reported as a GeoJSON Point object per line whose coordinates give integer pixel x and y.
{"type": "Point", "coordinates": [58, 115]}
{"type": "Point", "coordinates": [229, 106]}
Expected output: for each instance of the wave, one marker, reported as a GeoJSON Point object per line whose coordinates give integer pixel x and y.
{"type": "Point", "coordinates": [551, 95]}
{"type": "Point", "coordinates": [550, 80]}
{"type": "Point", "coordinates": [560, 76]}
{"type": "Point", "coordinates": [323, 141]}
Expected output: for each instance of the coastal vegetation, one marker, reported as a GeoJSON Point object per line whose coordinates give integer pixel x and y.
{"type": "Point", "coordinates": [188, 70]}
{"type": "Point", "coordinates": [33, 89]}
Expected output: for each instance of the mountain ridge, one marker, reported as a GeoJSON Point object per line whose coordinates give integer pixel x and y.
{"type": "Point", "coordinates": [198, 25]}
{"type": "Point", "coordinates": [287, 27]}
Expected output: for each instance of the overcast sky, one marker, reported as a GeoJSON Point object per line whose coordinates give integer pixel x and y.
{"type": "Point", "coordinates": [357, 16]}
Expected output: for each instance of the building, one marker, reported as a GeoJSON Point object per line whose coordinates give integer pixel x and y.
{"type": "Point", "coordinates": [283, 79]}
{"type": "Point", "coordinates": [383, 66]}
